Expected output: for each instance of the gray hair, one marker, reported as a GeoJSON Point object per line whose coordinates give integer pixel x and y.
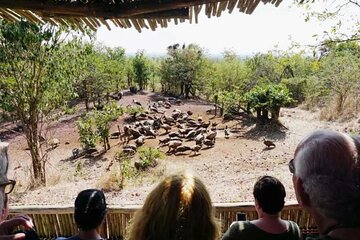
{"type": "Point", "coordinates": [328, 164]}
{"type": "Point", "coordinates": [4, 165]}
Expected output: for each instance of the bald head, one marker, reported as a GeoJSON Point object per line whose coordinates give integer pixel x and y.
{"type": "Point", "coordinates": [327, 162]}
{"type": "Point", "coordinates": [327, 153]}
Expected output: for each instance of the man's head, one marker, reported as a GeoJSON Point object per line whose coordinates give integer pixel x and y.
{"type": "Point", "coordinates": [90, 209]}
{"type": "Point", "coordinates": [326, 176]}
{"type": "Point", "coordinates": [269, 193]}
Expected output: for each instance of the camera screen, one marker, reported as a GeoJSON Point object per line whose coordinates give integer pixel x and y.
{"type": "Point", "coordinates": [240, 216]}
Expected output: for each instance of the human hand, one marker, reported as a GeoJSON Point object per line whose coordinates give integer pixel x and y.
{"type": "Point", "coordinates": [7, 227]}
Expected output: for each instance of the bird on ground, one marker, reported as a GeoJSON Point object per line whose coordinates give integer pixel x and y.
{"type": "Point", "coordinates": [137, 102]}
{"type": "Point", "coordinates": [269, 144]}
{"type": "Point", "coordinates": [196, 148]}
{"type": "Point", "coordinates": [227, 132]}
{"type": "Point", "coordinates": [208, 143]}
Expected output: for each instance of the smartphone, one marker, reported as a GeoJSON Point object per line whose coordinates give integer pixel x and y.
{"type": "Point", "coordinates": [240, 216]}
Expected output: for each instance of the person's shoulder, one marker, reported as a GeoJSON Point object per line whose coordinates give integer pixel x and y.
{"type": "Point", "coordinates": [236, 230]}
{"type": "Point", "coordinates": [69, 238]}
{"type": "Point", "coordinates": [293, 224]}
{"type": "Point", "coordinates": [241, 225]}
{"type": "Point", "coordinates": [319, 238]}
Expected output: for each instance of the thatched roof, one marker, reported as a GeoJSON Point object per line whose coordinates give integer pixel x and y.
{"type": "Point", "coordinates": [122, 13]}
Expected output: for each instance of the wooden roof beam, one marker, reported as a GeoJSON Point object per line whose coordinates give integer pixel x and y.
{"type": "Point", "coordinates": [97, 9]}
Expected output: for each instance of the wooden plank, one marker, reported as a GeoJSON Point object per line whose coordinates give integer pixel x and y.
{"type": "Point", "coordinates": [103, 21]}
{"type": "Point", "coordinates": [7, 16]}
{"type": "Point", "coordinates": [100, 8]}
{"type": "Point", "coordinates": [251, 9]}
{"type": "Point", "coordinates": [175, 13]}
{"type": "Point", "coordinates": [59, 221]}
{"type": "Point", "coordinates": [11, 14]}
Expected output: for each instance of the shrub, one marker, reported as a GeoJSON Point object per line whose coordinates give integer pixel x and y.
{"type": "Point", "coordinates": [268, 98]}
{"type": "Point", "coordinates": [87, 131]}
{"type": "Point", "coordinates": [96, 125]}
{"type": "Point", "coordinates": [149, 156]}
{"type": "Point", "coordinates": [117, 178]}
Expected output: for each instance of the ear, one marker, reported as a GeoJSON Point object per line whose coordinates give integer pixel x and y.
{"type": "Point", "coordinates": [257, 206]}
{"type": "Point", "coordinates": [301, 195]}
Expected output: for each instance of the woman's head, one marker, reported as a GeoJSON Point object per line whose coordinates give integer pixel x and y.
{"type": "Point", "coordinates": [179, 208]}
{"type": "Point", "coordinates": [270, 194]}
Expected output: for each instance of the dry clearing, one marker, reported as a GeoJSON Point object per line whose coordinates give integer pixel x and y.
{"type": "Point", "coordinates": [229, 169]}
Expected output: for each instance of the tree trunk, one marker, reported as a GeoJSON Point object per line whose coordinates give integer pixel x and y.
{"type": "Point", "coordinates": [275, 113]}
{"type": "Point", "coordinates": [87, 104]}
{"type": "Point", "coordinates": [129, 80]}
{"type": "Point", "coordinates": [86, 96]}
{"type": "Point", "coordinates": [32, 137]}
{"type": "Point", "coordinates": [264, 114]}
{"type": "Point", "coordinates": [258, 113]}
{"type": "Point", "coordinates": [340, 103]}
{"type": "Point", "coordinates": [107, 142]}
{"type": "Point", "coordinates": [216, 98]}
{"type": "Point", "coordinates": [187, 90]}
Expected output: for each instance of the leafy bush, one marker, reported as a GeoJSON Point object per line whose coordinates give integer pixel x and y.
{"type": "Point", "coordinates": [228, 101]}
{"type": "Point", "coordinates": [96, 125]}
{"type": "Point", "coordinates": [87, 131]}
{"type": "Point", "coordinates": [149, 156]}
{"type": "Point", "coordinates": [116, 180]}
{"type": "Point", "coordinates": [297, 88]}
{"type": "Point", "coordinates": [268, 98]}
{"type": "Point", "coordinates": [134, 111]}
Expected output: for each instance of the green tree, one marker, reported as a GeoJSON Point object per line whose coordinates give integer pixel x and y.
{"type": "Point", "coordinates": [96, 125]}
{"type": "Point", "coordinates": [141, 70]}
{"type": "Point", "coordinates": [340, 74]}
{"type": "Point", "coordinates": [182, 70]}
{"type": "Point", "coordinates": [37, 73]}
{"type": "Point", "coordinates": [268, 98]}
{"type": "Point", "coordinates": [102, 72]}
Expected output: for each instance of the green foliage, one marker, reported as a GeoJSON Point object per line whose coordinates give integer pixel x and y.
{"type": "Point", "coordinates": [268, 98]}
{"type": "Point", "coordinates": [149, 156]}
{"type": "Point", "coordinates": [87, 131]}
{"type": "Point", "coordinates": [38, 68]}
{"type": "Point", "coordinates": [95, 125]}
{"type": "Point", "coordinates": [116, 179]}
{"type": "Point", "coordinates": [340, 17]}
{"type": "Point", "coordinates": [182, 71]}
{"type": "Point", "coordinates": [134, 111]}
{"type": "Point", "coordinates": [340, 74]}
{"type": "Point", "coordinates": [103, 71]}
{"type": "Point", "coordinates": [79, 171]}
{"type": "Point", "coordinates": [228, 101]}
{"type": "Point", "coordinates": [141, 70]}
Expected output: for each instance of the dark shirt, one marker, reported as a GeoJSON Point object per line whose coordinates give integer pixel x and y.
{"type": "Point", "coordinates": [73, 238]}
{"type": "Point", "coordinates": [245, 230]}
{"type": "Point", "coordinates": [320, 238]}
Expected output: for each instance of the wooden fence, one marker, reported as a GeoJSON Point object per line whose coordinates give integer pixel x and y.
{"type": "Point", "coordinates": [54, 221]}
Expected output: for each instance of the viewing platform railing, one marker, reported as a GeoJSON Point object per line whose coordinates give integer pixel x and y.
{"type": "Point", "coordinates": [53, 221]}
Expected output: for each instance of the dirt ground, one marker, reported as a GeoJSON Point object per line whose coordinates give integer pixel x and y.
{"type": "Point", "coordinates": [229, 169]}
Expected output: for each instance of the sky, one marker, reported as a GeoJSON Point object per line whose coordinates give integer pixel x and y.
{"type": "Point", "coordinates": [268, 28]}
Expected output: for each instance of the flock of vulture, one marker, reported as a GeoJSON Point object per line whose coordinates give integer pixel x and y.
{"type": "Point", "coordinates": [178, 132]}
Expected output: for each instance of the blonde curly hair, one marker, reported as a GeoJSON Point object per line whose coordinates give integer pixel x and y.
{"type": "Point", "coordinates": [179, 208]}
